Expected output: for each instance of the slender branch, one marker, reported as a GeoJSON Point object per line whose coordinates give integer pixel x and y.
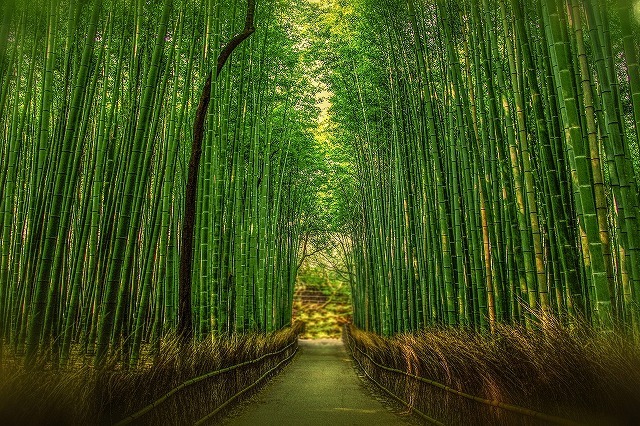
{"type": "Point", "coordinates": [249, 29]}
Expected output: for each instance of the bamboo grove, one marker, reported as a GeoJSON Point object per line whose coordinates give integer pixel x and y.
{"type": "Point", "coordinates": [97, 103]}
{"type": "Point", "coordinates": [496, 162]}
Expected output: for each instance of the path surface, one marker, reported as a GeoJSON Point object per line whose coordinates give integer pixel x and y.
{"type": "Point", "coordinates": [319, 388]}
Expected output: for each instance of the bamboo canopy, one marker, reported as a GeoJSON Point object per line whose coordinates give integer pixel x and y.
{"type": "Point", "coordinates": [479, 167]}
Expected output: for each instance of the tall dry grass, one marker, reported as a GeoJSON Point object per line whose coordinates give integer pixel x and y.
{"type": "Point", "coordinates": [574, 373]}
{"type": "Point", "coordinates": [81, 395]}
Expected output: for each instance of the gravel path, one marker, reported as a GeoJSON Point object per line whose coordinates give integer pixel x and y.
{"type": "Point", "coordinates": [320, 388]}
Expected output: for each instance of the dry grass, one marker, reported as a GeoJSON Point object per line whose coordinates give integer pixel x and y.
{"type": "Point", "coordinates": [577, 374]}
{"type": "Point", "coordinates": [84, 396]}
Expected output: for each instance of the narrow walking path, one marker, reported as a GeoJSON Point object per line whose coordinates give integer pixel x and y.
{"type": "Point", "coordinates": [318, 388]}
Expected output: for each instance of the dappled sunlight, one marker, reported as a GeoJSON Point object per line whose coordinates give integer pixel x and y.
{"type": "Point", "coordinates": [354, 410]}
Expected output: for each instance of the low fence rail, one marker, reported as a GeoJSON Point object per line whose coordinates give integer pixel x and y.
{"type": "Point", "coordinates": [158, 402]}
{"type": "Point", "coordinates": [549, 419]}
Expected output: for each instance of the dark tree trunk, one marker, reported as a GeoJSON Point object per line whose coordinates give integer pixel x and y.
{"type": "Point", "coordinates": [185, 316]}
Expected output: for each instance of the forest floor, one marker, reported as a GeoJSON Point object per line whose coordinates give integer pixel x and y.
{"type": "Point", "coordinates": [320, 387]}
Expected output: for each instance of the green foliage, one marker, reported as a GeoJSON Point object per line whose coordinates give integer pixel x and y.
{"type": "Point", "coordinates": [493, 161]}
{"type": "Point", "coordinates": [96, 111]}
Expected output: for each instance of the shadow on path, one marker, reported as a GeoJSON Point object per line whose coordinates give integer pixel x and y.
{"type": "Point", "coordinates": [320, 387]}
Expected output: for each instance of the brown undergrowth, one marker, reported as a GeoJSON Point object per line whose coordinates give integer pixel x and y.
{"type": "Point", "coordinates": [81, 395]}
{"type": "Point", "coordinates": [576, 374]}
